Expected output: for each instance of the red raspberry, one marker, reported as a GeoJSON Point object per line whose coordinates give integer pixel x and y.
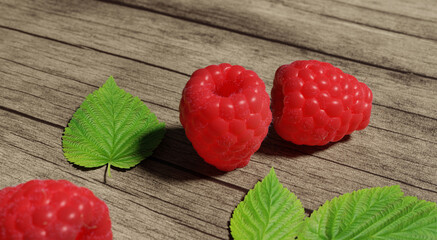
{"type": "Point", "coordinates": [52, 210]}
{"type": "Point", "coordinates": [314, 103]}
{"type": "Point", "coordinates": [225, 111]}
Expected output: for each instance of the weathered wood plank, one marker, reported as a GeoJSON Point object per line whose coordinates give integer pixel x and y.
{"type": "Point", "coordinates": [325, 27]}
{"type": "Point", "coordinates": [43, 81]}
{"type": "Point", "coordinates": [359, 162]}
{"type": "Point", "coordinates": [153, 200]}
{"type": "Point", "coordinates": [413, 94]}
{"type": "Point", "coordinates": [169, 42]}
{"type": "Point", "coordinates": [385, 15]}
{"type": "Point", "coordinates": [419, 9]}
{"type": "Point", "coordinates": [410, 18]}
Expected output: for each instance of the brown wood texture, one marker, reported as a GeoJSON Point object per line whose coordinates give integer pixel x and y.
{"type": "Point", "coordinates": [54, 53]}
{"type": "Point", "coordinates": [337, 29]}
{"type": "Point", "coordinates": [416, 18]}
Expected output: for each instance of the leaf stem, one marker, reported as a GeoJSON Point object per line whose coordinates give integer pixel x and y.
{"type": "Point", "coordinates": [108, 170]}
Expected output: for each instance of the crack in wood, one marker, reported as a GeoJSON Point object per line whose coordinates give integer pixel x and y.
{"type": "Point", "coordinates": [249, 34]}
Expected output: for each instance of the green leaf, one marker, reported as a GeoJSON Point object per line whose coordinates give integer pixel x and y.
{"type": "Point", "coordinates": [269, 211]}
{"type": "Point", "coordinates": [376, 213]}
{"type": "Point", "coordinates": [111, 127]}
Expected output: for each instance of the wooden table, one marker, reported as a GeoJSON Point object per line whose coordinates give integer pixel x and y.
{"type": "Point", "coordinates": [54, 53]}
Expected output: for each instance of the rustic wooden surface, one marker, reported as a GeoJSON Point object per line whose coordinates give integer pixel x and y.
{"type": "Point", "coordinates": [54, 53]}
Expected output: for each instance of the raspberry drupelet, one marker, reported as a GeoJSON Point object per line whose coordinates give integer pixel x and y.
{"type": "Point", "coordinates": [52, 210]}
{"type": "Point", "coordinates": [314, 103]}
{"type": "Point", "coordinates": [225, 111]}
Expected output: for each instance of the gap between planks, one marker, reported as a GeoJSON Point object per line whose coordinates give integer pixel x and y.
{"type": "Point", "coordinates": [236, 187]}
{"type": "Point", "coordinates": [90, 48]}
{"type": "Point", "coordinates": [223, 183]}
{"type": "Point", "coordinates": [403, 76]}
{"type": "Point", "coordinates": [394, 13]}
{"type": "Point", "coordinates": [163, 106]}
{"type": "Point", "coordinates": [93, 85]}
{"type": "Point", "coordinates": [177, 72]}
{"type": "Point", "coordinates": [182, 73]}
{"type": "Point", "coordinates": [161, 175]}
{"type": "Point", "coordinates": [122, 191]}
{"type": "Point", "coordinates": [153, 158]}
{"type": "Point", "coordinates": [143, 8]}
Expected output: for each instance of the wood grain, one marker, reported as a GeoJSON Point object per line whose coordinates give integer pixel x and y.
{"type": "Point", "coordinates": [390, 16]}
{"type": "Point", "coordinates": [407, 18]}
{"type": "Point", "coordinates": [54, 53]}
{"type": "Point", "coordinates": [167, 42]}
{"type": "Point", "coordinates": [143, 201]}
{"type": "Point", "coordinates": [420, 9]}
{"type": "Point", "coordinates": [398, 91]}
{"type": "Point", "coordinates": [326, 27]}
{"type": "Point", "coordinates": [364, 156]}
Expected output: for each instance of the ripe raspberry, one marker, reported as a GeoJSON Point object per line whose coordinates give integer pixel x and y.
{"type": "Point", "coordinates": [52, 210]}
{"type": "Point", "coordinates": [314, 103]}
{"type": "Point", "coordinates": [225, 111]}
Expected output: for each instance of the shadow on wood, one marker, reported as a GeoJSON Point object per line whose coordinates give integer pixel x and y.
{"type": "Point", "coordinates": [274, 145]}
{"type": "Point", "coordinates": [177, 152]}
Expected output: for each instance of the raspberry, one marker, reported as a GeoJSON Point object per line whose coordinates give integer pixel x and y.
{"type": "Point", "coordinates": [314, 103]}
{"type": "Point", "coordinates": [49, 209]}
{"type": "Point", "coordinates": [225, 111]}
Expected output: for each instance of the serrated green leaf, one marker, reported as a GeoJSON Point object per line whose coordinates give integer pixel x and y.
{"type": "Point", "coordinates": [269, 211]}
{"type": "Point", "coordinates": [376, 213]}
{"type": "Point", "coordinates": [111, 127]}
